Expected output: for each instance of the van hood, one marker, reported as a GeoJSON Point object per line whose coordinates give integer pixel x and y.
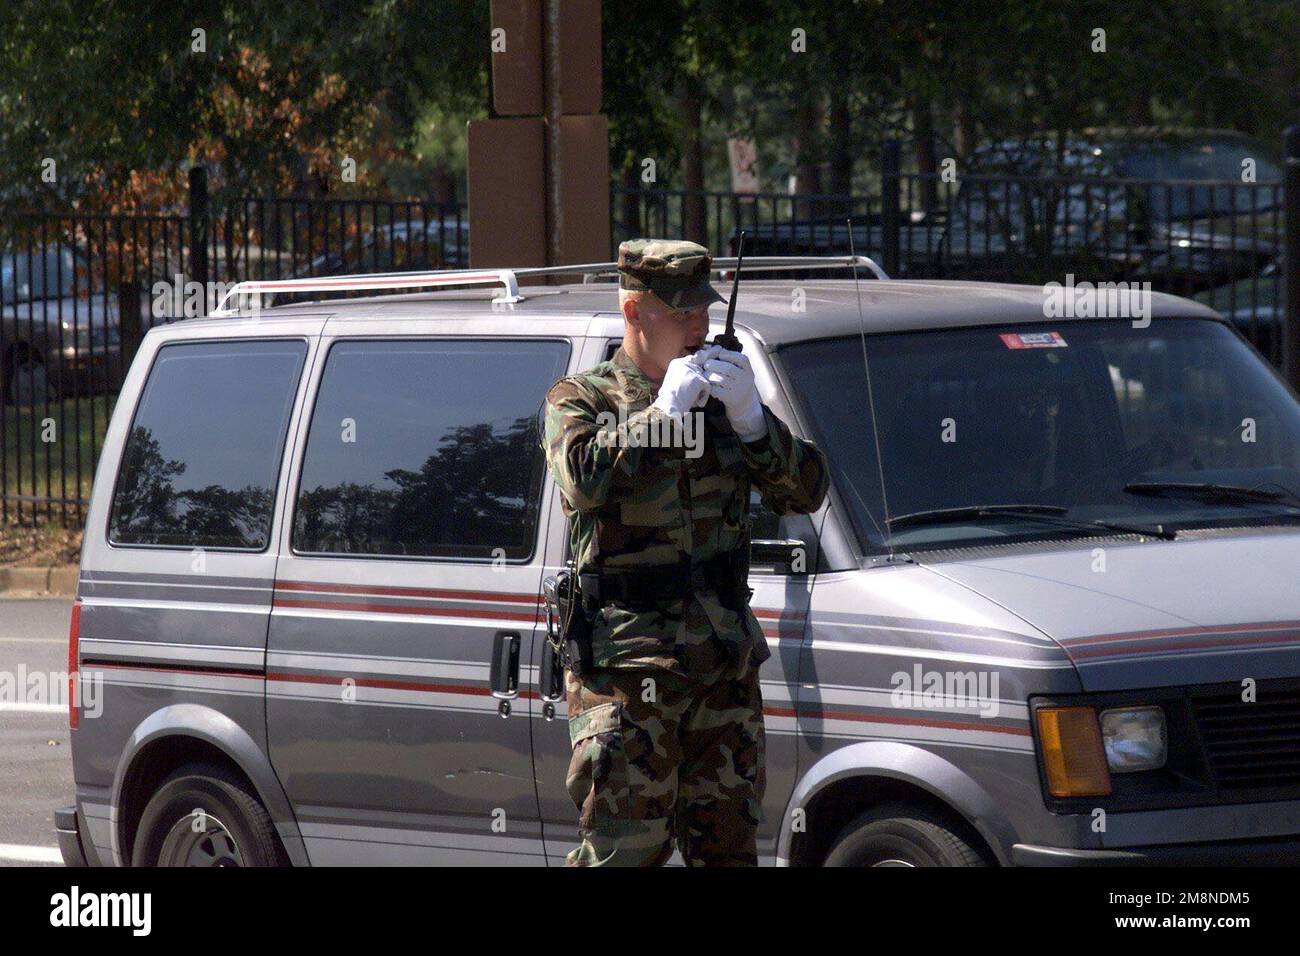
{"type": "Point", "coordinates": [1130, 615]}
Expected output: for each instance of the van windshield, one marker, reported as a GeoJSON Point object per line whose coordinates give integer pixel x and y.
{"type": "Point", "coordinates": [1079, 425]}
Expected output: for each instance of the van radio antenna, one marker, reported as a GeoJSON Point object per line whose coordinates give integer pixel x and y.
{"type": "Point", "coordinates": [727, 338]}
{"type": "Point", "coordinates": [871, 401]}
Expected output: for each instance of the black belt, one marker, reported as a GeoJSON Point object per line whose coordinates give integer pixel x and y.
{"type": "Point", "coordinates": [653, 583]}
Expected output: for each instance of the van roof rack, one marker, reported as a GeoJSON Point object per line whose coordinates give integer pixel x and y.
{"type": "Point", "coordinates": [507, 279]}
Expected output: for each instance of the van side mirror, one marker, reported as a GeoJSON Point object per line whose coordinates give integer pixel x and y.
{"type": "Point", "coordinates": [786, 555]}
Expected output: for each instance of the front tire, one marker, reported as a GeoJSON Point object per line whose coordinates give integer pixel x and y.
{"type": "Point", "coordinates": [206, 815]}
{"type": "Point", "coordinates": [900, 835]}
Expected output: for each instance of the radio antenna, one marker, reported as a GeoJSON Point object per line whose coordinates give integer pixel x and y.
{"type": "Point", "coordinates": [727, 338]}
{"type": "Point", "coordinates": [871, 401]}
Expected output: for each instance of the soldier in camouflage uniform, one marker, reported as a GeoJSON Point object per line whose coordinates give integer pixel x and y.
{"type": "Point", "coordinates": [667, 724]}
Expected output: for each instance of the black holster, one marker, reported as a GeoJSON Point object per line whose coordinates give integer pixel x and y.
{"type": "Point", "coordinates": [576, 616]}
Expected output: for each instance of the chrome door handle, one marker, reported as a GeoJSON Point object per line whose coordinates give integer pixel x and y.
{"type": "Point", "coordinates": [504, 678]}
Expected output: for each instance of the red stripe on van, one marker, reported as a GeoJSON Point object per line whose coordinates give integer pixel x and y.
{"type": "Point", "coordinates": [199, 669]}
{"type": "Point", "coordinates": [766, 614]}
{"type": "Point", "coordinates": [530, 617]}
{"type": "Point", "coordinates": [914, 722]}
{"type": "Point", "coordinates": [1181, 632]}
{"type": "Point", "coordinates": [409, 592]}
{"type": "Point", "coordinates": [74, 679]}
{"type": "Point", "coordinates": [1113, 651]}
{"type": "Point", "coordinates": [380, 683]}
{"type": "Point", "coordinates": [480, 691]}
{"type": "Point", "coordinates": [777, 614]}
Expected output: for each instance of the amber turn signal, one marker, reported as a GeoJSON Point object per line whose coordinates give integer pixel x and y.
{"type": "Point", "coordinates": [1073, 753]}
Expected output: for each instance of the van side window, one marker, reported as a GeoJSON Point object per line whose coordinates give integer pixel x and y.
{"type": "Point", "coordinates": [200, 463]}
{"type": "Point", "coordinates": [427, 448]}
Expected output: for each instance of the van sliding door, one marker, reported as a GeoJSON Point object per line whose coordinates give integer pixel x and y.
{"type": "Point", "coordinates": [410, 582]}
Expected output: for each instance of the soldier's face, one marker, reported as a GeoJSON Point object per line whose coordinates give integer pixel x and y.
{"type": "Point", "coordinates": [665, 334]}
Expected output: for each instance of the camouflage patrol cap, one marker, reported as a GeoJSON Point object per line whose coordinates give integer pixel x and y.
{"type": "Point", "coordinates": [675, 270]}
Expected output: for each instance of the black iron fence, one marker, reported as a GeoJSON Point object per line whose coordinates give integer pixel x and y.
{"type": "Point", "coordinates": [774, 223]}
{"type": "Point", "coordinates": [75, 297]}
{"type": "Point", "coordinates": [1221, 242]}
{"type": "Point", "coordinates": [284, 238]}
{"type": "Point", "coordinates": [78, 291]}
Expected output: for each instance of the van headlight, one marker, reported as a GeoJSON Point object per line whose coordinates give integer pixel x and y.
{"type": "Point", "coordinates": [1134, 738]}
{"type": "Point", "coordinates": [1122, 750]}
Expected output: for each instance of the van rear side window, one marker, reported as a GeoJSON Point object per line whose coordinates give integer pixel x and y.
{"type": "Point", "coordinates": [200, 464]}
{"type": "Point", "coordinates": [427, 448]}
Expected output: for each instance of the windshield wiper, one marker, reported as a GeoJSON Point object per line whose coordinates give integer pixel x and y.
{"type": "Point", "coordinates": [943, 515]}
{"type": "Point", "coordinates": [1048, 514]}
{"type": "Point", "coordinates": [1211, 491]}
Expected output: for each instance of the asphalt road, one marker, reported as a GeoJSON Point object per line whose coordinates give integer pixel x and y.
{"type": "Point", "coordinates": [35, 757]}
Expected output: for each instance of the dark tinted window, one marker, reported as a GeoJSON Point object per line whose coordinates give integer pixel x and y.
{"type": "Point", "coordinates": [38, 275]}
{"type": "Point", "coordinates": [1210, 159]}
{"type": "Point", "coordinates": [972, 417]}
{"type": "Point", "coordinates": [200, 463]}
{"type": "Point", "coordinates": [427, 448]}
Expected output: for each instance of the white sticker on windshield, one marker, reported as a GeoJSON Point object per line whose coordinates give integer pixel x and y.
{"type": "Point", "coordinates": [1033, 340]}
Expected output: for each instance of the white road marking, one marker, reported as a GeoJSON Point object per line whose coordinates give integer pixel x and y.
{"type": "Point", "coordinates": [30, 854]}
{"type": "Point", "coordinates": [33, 708]}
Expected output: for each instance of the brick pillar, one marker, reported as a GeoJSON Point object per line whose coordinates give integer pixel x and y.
{"type": "Point", "coordinates": [539, 167]}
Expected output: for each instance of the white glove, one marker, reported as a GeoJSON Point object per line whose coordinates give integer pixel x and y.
{"type": "Point", "coordinates": [684, 386]}
{"type": "Point", "coordinates": [731, 380]}
{"type": "Point", "coordinates": [706, 353]}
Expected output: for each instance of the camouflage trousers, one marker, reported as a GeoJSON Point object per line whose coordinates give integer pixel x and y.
{"type": "Point", "coordinates": [659, 759]}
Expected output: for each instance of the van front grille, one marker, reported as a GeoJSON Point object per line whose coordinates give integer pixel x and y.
{"type": "Point", "coordinates": [1251, 746]}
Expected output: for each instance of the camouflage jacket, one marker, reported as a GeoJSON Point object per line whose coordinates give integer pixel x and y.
{"type": "Point", "coordinates": [632, 505]}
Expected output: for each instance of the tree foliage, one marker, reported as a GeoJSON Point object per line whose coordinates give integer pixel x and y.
{"type": "Point", "coordinates": [120, 98]}
{"type": "Point", "coordinates": [273, 96]}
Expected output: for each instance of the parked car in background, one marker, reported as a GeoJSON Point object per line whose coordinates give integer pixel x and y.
{"type": "Point", "coordinates": [1125, 203]}
{"type": "Point", "coordinates": [920, 239]}
{"type": "Point", "coordinates": [56, 336]}
{"type": "Point", "coordinates": [1255, 306]}
{"type": "Point", "coordinates": [401, 246]}
{"type": "Point", "coordinates": [1064, 207]}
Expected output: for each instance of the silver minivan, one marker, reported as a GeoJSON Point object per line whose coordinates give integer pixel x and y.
{"type": "Point", "coordinates": [1048, 613]}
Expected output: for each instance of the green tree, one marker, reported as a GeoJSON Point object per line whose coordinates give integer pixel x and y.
{"type": "Point", "coordinates": [272, 95]}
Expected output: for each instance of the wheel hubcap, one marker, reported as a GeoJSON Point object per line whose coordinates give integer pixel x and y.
{"type": "Point", "coordinates": [895, 862]}
{"type": "Point", "coordinates": [199, 839]}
